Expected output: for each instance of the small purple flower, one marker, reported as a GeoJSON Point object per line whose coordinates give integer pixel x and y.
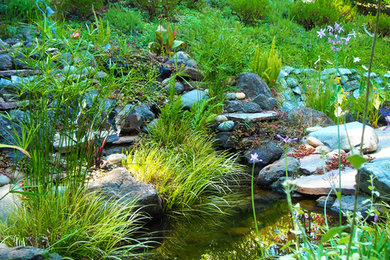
{"type": "Point", "coordinates": [376, 218]}
{"type": "Point", "coordinates": [338, 28]}
{"type": "Point", "coordinates": [255, 158]}
{"type": "Point", "coordinates": [287, 139]}
{"type": "Point", "coordinates": [330, 29]}
{"type": "Point", "coordinates": [387, 118]}
{"type": "Point", "coordinates": [321, 33]}
{"type": "Point", "coordinates": [353, 34]}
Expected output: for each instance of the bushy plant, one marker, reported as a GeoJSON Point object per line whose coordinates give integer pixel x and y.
{"type": "Point", "coordinates": [124, 19]}
{"type": "Point", "coordinates": [18, 9]}
{"type": "Point", "coordinates": [165, 42]}
{"type": "Point", "coordinates": [249, 11]}
{"type": "Point", "coordinates": [82, 8]}
{"type": "Point", "coordinates": [383, 25]}
{"type": "Point", "coordinates": [157, 7]}
{"type": "Point", "coordinates": [321, 12]}
{"type": "Point", "coordinates": [267, 66]}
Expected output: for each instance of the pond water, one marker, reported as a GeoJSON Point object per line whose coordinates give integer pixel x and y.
{"type": "Point", "coordinates": [234, 237]}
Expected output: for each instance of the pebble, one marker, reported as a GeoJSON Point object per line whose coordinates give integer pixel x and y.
{"type": "Point", "coordinates": [226, 126]}
{"type": "Point", "coordinates": [314, 141]}
{"type": "Point", "coordinates": [240, 95]}
{"type": "Point", "coordinates": [116, 158]}
{"type": "Point", "coordinates": [221, 118]}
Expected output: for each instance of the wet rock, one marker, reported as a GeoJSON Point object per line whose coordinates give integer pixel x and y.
{"type": "Point", "coordinates": [310, 117]}
{"type": "Point", "coordinates": [351, 85]}
{"type": "Point", "coordinates": [251, 107]}
{"type": "Point", "coordinates": [119, 185]}
{"type": "Point", "coordinates": [276, 172]}
{"type": "Point", "coordinates": [269, 153]}
{"type": "Point", "coordinates": [329, 137]}
{"type": "Point", "coordinates": [380, 170]}
{"type": "Point", "coordinates": [6, 62]}
{"type": "Point", "coordinates": [256, 90]}
{"type": "Point", "coordinates": [27, 253]}
{"type": "Point", "coordinates": [232, 106]}
{"type": "Point", "coordinates": [193, 97]}
{"type": "Point", "coordinates": [226, 126]}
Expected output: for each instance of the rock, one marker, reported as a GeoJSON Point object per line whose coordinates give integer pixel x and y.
{"type": "Point", "coordinates": [372, 75]}
{"type": "Point", "coordinates": [380, 170]}
{"type": "Point", "coordinates": [9, 203]}
{"type": "Point", "coordinates": [27, 253]}
{"type": "Point", "coordinates": [351, 85]}
{"type": "Point", "coordinates": [256, 90]}
{"type": "Point", "coordinates": [101, 75]}
{"type": "Point", "coordinates": [329, 137]}
{"type": "Point", "coordinates": [292, 82]}
{"type": "Point", "coordinates": [192, 73]}
{"type": "Point", "coordinates": [268, 153]}
{"type": "Point", "coordinates": [251, 107]}
{"type": "Point", "coordinates": [119, 185]}
{"type": "Point", "coordinates": [4, 180]}
{"type": "Point", "coordinates": [220, 119]}
{"type": "Point", "coordinates": [322, 149]}
{"type": "Point", "coordinates": [116, 159]}
{"type": "Point", "coordinates": [7, 126]}
{"type": "Point", "coordinates": [314, 141]}
{"type": "Point", "coordinates": [310, 163]}
{"type": "Point", "coordinates": [3, 44]}
{"type": "Point", "coordinates": [9, 105]}
{"type": "Point", "coordinates": [126, 140]}
{"type": "Point", "coordinates": [344, 71]}
{"type": "Point", "coordinates": [179, 88]}
{"type": "Point", "coordinates": [240, 95]}
{"type": "Point", "coordinates": [226, 126]}
{"type": "Point", "coordinates": [231, 96]}
{"type": "Point", "coordinates": [269, 115]}
{"type": "Point", "coordinates": [5, 61]}
{"type": "Point", "coordinates": [310, 117]}
{"type": "Point", "coordinates": [297, 91]}
{"type": "Point", "coordinates": [182, 58]}
{"type": "Point", "coordinates": [322, 184]}
{"type": "Point", "coordinates": [130, 119]}
{"type": "Point", "coordinates": [232, 106]}
{"type": "Point", "coordinates": [347, 204]}
{"type": "Point", "coordinates": [322, 200]}
{"type": "Point", "coordinates": [313, 128]}
{"type": "Point", "coordinates": [165, 72]}
{"type": "Point", "coordinates": [192, 97]}
{"type": "Point", "coordinates": [6, 83]}
{"type": "Point", "coordinates": [224, 140]}
{"type": "Point", "coordinates": [277, 172]}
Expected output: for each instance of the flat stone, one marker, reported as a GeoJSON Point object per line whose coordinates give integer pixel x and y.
{"type": "Point", "coordinates": [268, 115]}
{"type": "Point", "coordinates": [310, 163]}
{"type": "Point", "coordinates": [21, 73]}
{"type": "Point", "coordinates": [344, 71]}
{"type": "Point", "coordinates": [329, 137]}
{"type": "Point", "coordinates": [232, 106]}
{"type": "Point", "coordinates": [322, 184]}
{"type": "Point", "coordinates": [116, 159]}
{"type": "Point", "coordinates": [126, 140]}
{"type": "Point", "coordinates": [292, 82]}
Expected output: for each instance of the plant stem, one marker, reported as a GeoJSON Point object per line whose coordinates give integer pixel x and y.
{"type": "Point", "coordinates": [254, 212]}
{"type": "Point", "coordinates": [364, 126]}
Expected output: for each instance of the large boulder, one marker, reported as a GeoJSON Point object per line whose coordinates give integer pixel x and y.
{"type": "Point", "coordinates": [274, 174]}
{"type": "Point", "coordinates": [268, 153]}
{"type": "Point", "coordinates": [350, 133]}
{"type": "Point", "coordinates": [310, 117]}
{"type": "Point", "coordinates": [256, 90]}
{"type": "Point", "coordinates": [380, 170]}
{"type": "Point", "coordinates": [27, 253]}
{"type": "Point", "coordinates": [120, 185]}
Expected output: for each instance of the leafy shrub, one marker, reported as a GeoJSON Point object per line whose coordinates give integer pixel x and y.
{"type": "Point", "coordinates": [321, 12]}
{"type": "Point", "coordinates": [80, 8]}
{"type": "Point", "coordinates": [157, 7]}
{"type": "Point", "coordinates": [383, 25]}
{"type": "Point", "coordinates": [165, 41]}
{"type": "Point", "coordinates": [249, 11]}
{"type": "Point", "coordinates": [124, 19]}
{"type": "Point", "coordinates": [267, 66]}
{"type": "Point", "coordinates": [18, 9]}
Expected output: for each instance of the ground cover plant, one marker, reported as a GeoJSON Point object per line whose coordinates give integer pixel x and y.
{"type": "Point", "coordinates": [72, 106]}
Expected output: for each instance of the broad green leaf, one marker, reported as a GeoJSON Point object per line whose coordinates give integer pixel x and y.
{"type": "Point", "coordinates": [332, 232]}
{"type": "Point", "coordinates": [177, 43]}
{"type": "Point", "coordinates": [356, 160]}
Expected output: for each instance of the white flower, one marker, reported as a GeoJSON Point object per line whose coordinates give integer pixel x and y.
{"type": "Point", "coordinates": [364, 67]}
{"type": "Point", "coordinates": [356, 59]}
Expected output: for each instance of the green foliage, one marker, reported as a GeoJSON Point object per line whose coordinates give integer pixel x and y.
{"type": "Point", "coordinates": [165, 42]}
{"type": "Point", "coordinates": [82, 8]}
{"type": "Point", "coordinates": [124, 19]}
{"type": "Point", "coordinates": [75, 225]}
{"type": "Point", "coordinates": [100, 35]}
{"type": "Point", "coordinates": [267, 66]}
{"type": "Point", "coordinates": [321, 12]}
{"type": "Point", "coordinates": [15, 147]}
{"type": "Point", "coordinates": [157, 7]}
{"type": "Point", "coordinates": [249, 11]}
{"type": "Point", "coordinates": [18, 10]}
{"type": "Point", "coordinates": [383, 25]}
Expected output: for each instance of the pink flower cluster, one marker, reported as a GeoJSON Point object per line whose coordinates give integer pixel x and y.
{"type": "Point", "coordinates": [334, 36]}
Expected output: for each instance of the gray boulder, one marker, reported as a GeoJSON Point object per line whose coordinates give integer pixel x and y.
{"type": "Point", "coordinates": [380, 170]}
{"type": "Point", "coordinates": [232, 106]}
{"type": "Point", "coordinates": [276, 172]}
{"type": "Point", "coordinates": [224, 140]}
{"type": "Point", "coordinates": [119, 185]}
{"type": "Point", "coordinates": [347, 204]}
{"type": "Point", "coordinates": [251, 107]}
{"type": "Point", "coordinates": [310, 117]}
{"type": "Point", "coordinates": [182, 58]}
{"type": "Point", "coordinates": [329, 136]}
{"type": "Point", "coordinates": [193, 97]}
{"type": "Point", "coordinates": [130, 119]}
{"type": "Point", "coordinates": [27, 253]}
{"type": "Point", "coordinates": [269, 153]}
{"type": "Point", "coordinates": [256, 90]}
{"type": "Point", "coordinates": [6, 61]}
